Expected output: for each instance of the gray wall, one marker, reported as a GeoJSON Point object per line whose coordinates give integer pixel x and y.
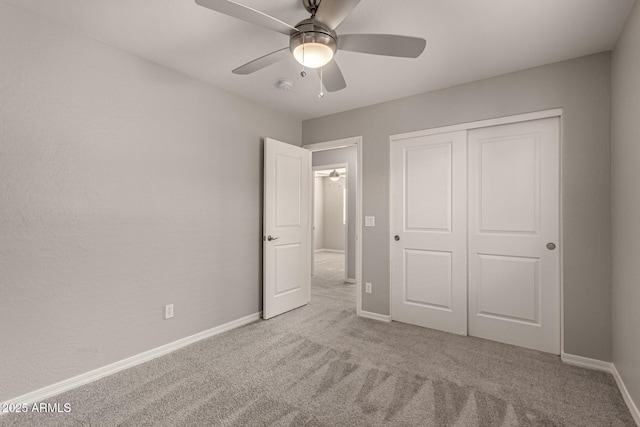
{"type": "Point", "coordinates": [347, 155]}
{"type": "Point", "coordinates": [582, 87]}
{"type": "Point", "coordinates": [334, 229]}
{"type": "Point", "coordinates": [318, 213]}
{"type": "Point", "coordinates": [626, 204]}
{"type": "Point", "coordinates": [124, 186]}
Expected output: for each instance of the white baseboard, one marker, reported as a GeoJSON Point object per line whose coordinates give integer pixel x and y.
{"type": "Point", "coordinates": [348, 280]}
{"type": "Point", "coordinates": [586, 362]}
{"type": "Point", "coordinates": [375, 316]}
{"type": "Point", "coordinates": [82, 379]}
{"type": "Point", "coordinates": [333, 251]}
{"type": "Point", "coordinates": [633, 408]}
{"type": "Point", "coordinates": [599, 365]}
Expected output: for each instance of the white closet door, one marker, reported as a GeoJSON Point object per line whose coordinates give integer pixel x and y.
{"type": "Point", "coordinates": [514, 291]}
{"type": "Point", "coordinates": [428, 231]}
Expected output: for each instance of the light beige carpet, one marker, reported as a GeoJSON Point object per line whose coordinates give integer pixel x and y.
{"type": "Point", "coordinates": [321, 365]}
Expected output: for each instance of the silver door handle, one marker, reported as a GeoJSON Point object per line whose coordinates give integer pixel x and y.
{"type": "Point", "coordinates": [551, 246]}
{"type": "Point", "coordinates": [396, 237]}
{"type": "Point", "coordinates": [270, 238]}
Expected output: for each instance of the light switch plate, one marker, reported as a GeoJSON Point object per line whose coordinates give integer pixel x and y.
{"type": "Point", "coordinates": [168, 311]}
{"type": "Point", "coordinates": [369, 221]}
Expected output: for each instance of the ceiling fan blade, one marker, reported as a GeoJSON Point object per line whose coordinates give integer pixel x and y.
{"type": "Point", "coordinates": [383, 44]}
{"type": "Point", "coordinates": [247, 14]}
{"type": "Point", "coordinates": [263, 61]}
{"type": "Point", "coordinates": [332, 78]}
{"type": "Point", "coordinates": [333, 12]}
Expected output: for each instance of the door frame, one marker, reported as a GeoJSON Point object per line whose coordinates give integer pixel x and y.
{"type": "Point", "coordinates": [543, 114]}
{"type": "Point", "coordinates": [341, 143]}
{"type": "Point", "coordinates": [314, 169]}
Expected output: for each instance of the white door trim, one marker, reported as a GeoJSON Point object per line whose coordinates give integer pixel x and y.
{"type": "Point", "coordinates": [555, 112]}
{"type": "Point", "coordinates": [543, 114]}
{"type": "Point", "coordinates": [340, 143]}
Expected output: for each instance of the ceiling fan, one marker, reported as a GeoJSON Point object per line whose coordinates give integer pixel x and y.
{"type": "Point", "coordinates": [313, 41]}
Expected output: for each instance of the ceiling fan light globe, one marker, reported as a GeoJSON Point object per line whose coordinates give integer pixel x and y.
{"type": "Point", "coordinates": [313, 55]}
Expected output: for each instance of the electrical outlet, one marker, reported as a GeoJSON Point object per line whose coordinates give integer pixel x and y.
{"type": "Point", "coordinates": [168, 311]}
{"type": "Point", "coordinates": [367, 287]}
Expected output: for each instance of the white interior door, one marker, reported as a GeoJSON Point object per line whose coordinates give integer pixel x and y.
{"type": "Point", "coordinates": [514, 291]}
{"type": "Point", "coordinates": [287, 236]}
{"type": "Point", "coordinates": [428, 231]}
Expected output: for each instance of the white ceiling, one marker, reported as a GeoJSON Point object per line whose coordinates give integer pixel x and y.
{"type": "Point", "coordinates": [467, 40]}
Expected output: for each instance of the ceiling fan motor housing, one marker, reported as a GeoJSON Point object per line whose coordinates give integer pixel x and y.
{"type": "Point", "coordinates": [311, 6]}
{"type": "Point", "coordinates": [313, 31]}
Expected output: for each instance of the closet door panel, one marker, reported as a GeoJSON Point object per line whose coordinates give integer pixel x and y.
{"type": "Point", "coordinates": [514, 280]}
{"type": "Point", "coordinates": [428, 226]}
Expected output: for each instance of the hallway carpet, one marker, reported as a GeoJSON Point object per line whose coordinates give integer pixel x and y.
{"type": "Point", "coordinates": [320, 365]}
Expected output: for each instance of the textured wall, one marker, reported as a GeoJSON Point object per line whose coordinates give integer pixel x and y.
{"type": "Point", "coordinates": [123, 187]}
{"type": "Point", "coordinates": [582, 87]}
{"type": "Point", "coordinates": [626, 204]}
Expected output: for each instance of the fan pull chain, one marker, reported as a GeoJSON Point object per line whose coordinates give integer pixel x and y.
{"type": "Point", "coordinates": [303, 72]}
{"type": "Point", "coordinates": [321, 95]}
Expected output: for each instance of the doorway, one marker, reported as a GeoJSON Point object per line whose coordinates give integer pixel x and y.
{"type": "Point", "coordinates": [336, 208]}
{"type": "Point", "coordinates": [330, 217]}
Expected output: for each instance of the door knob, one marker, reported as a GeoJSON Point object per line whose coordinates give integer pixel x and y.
{"type": "Point", "coordinates": [270, 238]}
{"type": "Point", "coordinates": [396, 237]}
{"type": "Point", "coordinates": [551, 246]}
